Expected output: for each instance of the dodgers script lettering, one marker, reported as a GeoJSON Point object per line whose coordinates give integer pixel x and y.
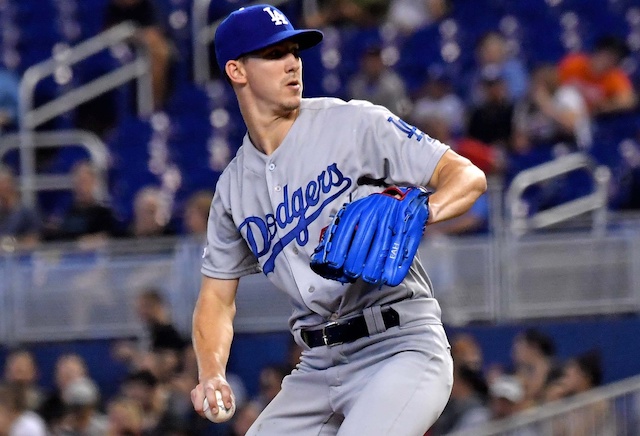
{"type": "Point", "coordinates": [302, 206]}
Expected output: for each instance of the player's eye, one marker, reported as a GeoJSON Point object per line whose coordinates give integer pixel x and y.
{"type": "Point", "coordinates": [280, 52]}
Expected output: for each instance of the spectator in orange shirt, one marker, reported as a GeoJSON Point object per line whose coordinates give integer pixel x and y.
{"type": "Point", "coordinates": [604, 85]}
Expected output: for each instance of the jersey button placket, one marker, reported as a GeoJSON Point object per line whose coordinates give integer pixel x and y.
{"type": "Point", "coordinates": [271, 167]}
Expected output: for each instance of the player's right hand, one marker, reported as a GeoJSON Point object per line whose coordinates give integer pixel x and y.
{"type": "Point", "coordinates": [207, 388]}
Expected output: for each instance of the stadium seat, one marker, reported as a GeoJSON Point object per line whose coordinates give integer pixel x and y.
{"type": "Point", "coordinates": [130, 170]}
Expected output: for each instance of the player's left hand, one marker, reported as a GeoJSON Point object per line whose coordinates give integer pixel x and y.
{"type": "Point", "coordinates": [374, 238]}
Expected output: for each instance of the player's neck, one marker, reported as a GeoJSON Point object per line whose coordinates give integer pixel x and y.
{"type": "Point", "coordinates": [268, 131]}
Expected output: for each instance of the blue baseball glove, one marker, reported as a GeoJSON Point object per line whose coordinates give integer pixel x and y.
{"type": "Point", "coordinates": [374, 238]}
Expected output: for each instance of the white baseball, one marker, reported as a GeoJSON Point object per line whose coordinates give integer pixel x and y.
{"type": "Point", "coordinates": [223, 414]}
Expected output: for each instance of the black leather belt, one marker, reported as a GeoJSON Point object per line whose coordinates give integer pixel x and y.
{"type": "Point", "coordinates": [348, 330]}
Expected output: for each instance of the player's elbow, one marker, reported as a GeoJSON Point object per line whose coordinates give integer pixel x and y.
{"type": "Point", "coordinates": [481, 181]}
{"type": "Point", "coordinates": [476, 179]}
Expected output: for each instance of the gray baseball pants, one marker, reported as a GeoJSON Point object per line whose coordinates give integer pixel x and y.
{"type": "Point", "coordinates": [392, 383]}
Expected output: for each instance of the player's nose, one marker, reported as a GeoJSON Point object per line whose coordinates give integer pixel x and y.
{"type": "Point", "coordinates": [292, 63]}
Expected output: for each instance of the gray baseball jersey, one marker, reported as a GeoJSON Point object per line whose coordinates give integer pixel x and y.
{"type": "Point", "coordinates": [268, 211]}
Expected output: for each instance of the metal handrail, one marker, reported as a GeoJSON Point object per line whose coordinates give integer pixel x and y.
{"type": "Point", "coordinates": [98, 153]}
{"type": "Point", "coordinates": [203, 35]}
{"type": "Point", "coordinates": [139, 68]}
{"type": "Point", "coordinates": [31, 117]}
{"type": "Point", "coordinates": [558, 408]}
{"type": "Point", "coordinates": [596, 202]}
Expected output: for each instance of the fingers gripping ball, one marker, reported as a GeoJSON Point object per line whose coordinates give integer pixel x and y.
{"type": "Point", "coordinates": [374, 238]}
{"type": "Point", "coordinates": [223, 414]}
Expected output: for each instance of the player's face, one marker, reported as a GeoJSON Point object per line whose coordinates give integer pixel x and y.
{"type": "Point", "coordinates": [275, 75]}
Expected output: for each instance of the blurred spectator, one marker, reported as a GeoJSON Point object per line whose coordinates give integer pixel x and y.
{"type": "Point", "coordinates": [466, 352]}
{"type": "Point", "coordinates": [87, 220]}
{"type": "Point", "coordinates": [581, 374]}
{"type": "Point", "coordinates": [271, 377]}
{"type": "Point", "coordinates": [68, 369]}
{"type": "Point", "coordinates": [125, 417]}
{"type": "Point", "coordinates": [533, 355]}
{"type": "Point", "coordinates": [244, 418]}
{"type": "Point", "coordinates": [19, 225]}
{"type": "Point", "coordinates": [21, 369]}
{"type": "Point", "coordinates": [159, 368]}
{"type": "Point", "coordinates": [165, 368]}
{"type": "Point", "coordinates": [505, 396]}
{"type": "Point", "coordinates": [492, 52]}
{"type": "Point", "coordinates": [143, 13]}
{"type": "Point", "coordinates": [196, 213]}
{"type": "Point", "coordinates": [437, 101]}
{"type": "Point", "coordinates": [165, 362]}
{"type": "Point", "coordinates": [15, 417]}
{"type": "Point", "coordinates": [158, 417]}
{"type": "Point", "coordinates": [604, 85]}
{"type": "Point", "coordinates": [161, 335]}
{"type": "Point", "coordinates": [378, 83]}
{"type": "Point", "coordinates": [554, 390]}
{"type": "Point", "coordinates": [551, 114]}
{"type": "Point", "coordinates": [151, 214]}
{"type": "Point", "coordinates": [9, 109]}
{"type": "Point", "coordinates": [410, 15]}
{"type": "Point", "coordinates": [141, 387]}
{"type": "Point", "coordinates": [466, 409]}
{"type": "Point", "coordinates": [490, 121]}
{"type": "Point", "coordinates": [154, 312]}
{"type": "Point", "coordinates": [489, 159]}
{"type": "Point", "coordinates": [82, 418]}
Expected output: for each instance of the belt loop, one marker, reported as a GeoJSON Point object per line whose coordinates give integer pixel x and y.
{"type": "Point", "coordinates": [374, 320]}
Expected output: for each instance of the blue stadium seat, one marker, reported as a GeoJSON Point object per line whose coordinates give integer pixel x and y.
{"type": "Point", "coordinates": [609, 131]}
{"type": "Point", "coordinates": [30, 10]}
{"type": "Point", "coordinates": [90, 15]}
{"type": "Point", "coordinates": [417, 53]}
{"type": "Point", "coordinates": [615, 144]}
{"type": "Point", "coordinates": [188, 142]}
{"type": "Point", "coordinates": [129, 147]}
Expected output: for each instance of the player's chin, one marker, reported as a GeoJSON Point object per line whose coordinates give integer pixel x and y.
{"type": "Point", "coordinates": [291, 104]}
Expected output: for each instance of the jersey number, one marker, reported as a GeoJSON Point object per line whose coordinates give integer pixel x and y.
{"type": "Point", "coordinates": [406, 128]}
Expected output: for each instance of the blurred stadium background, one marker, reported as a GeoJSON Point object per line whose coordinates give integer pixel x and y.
{"type": "Point", "coordinates": [568, 267]}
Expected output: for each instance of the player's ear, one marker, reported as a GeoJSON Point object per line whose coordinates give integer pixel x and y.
{"type": "Point", "coordinates": [235, 71]}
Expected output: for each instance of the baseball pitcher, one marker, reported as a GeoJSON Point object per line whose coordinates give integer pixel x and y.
{"type": "Point", "coordinates": [329, 199]}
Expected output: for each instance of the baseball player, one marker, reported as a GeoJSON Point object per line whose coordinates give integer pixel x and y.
{"type": "Point", "coordinates": [375, 358]}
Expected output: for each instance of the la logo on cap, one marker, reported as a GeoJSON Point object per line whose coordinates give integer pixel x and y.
{"type": "Point", "coordinates": [276, 16]}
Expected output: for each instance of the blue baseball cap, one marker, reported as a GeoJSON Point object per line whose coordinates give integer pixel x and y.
{"type": "Point", "coordinates": [256, 27]}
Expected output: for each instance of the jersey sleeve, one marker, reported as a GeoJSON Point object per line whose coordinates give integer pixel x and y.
{"type": "Point", "coordinates": [226, 255]}
{"type": "Point", "coordinates": [392, 149]}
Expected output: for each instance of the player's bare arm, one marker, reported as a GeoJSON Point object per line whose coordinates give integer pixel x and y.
{"type": "Point", "coordinates": [212, 336]}
{"type": "Point", "coordinates": [457, 183]}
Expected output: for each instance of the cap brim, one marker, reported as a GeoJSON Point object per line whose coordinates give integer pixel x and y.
{"type": "Point", "coordinates": [305, 38]}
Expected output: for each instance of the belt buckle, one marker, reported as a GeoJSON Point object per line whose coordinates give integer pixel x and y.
{"type": "Point", "coordinates": [325, 339]}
